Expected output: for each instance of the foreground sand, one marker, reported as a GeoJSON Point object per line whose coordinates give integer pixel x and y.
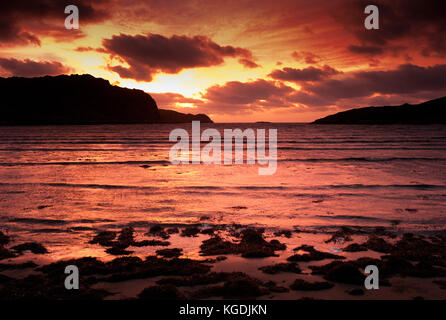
{"type": "Point", "coordinates": [230, 262]}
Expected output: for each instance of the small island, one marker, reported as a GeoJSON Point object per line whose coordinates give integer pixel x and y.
{"type": "Point", "coordinates": [430, 112]}
{"type": "Point", "coordinates": [80, 100]}
{"type": "Point", "coordinates": [170, 116]}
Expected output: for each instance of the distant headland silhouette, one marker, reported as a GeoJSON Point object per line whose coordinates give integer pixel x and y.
{"type": "Point", "coordinates": [430, 112]}
{"type": "Point", "coordinates": [79, 99]}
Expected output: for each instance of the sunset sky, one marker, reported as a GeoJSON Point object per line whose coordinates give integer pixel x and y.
{"type": "Point", "coordinates": [237, 60]}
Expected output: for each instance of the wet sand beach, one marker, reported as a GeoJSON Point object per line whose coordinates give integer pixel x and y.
{"type": "Point", "coordinates": [231, 262]}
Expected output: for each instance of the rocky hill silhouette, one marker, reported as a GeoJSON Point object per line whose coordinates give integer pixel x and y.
{"type": "Point", "coordinates": [430, 112]}
{"type": "Point", "coordinates": [78, 99]}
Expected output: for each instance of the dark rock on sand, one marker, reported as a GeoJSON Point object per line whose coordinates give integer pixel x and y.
{"type": "Point", "coordinates": [417, 248]}
{"type": "Point", "coordinates": [259, 252]}
{"type": "Point", "coordinates": [125, 238]}
{"type": "Point", "coordinates": [284, 233]}
{"type": "Point", "coordinates": [312, 255]}
{"type": "Point", "coordinates": [426, 270]}
{"type": "Point", "coordinates": [161, 292]}
{"type": "Point", "coordinates": [216, 259]}
{"type": "Point", "coordinates": [155, 229]}
{"type": "Point", "coordinates": [345, 272]}
{"type": "Point", "coordinates": [281, 267]}
{"type": "Point", "coordinates": [340, 271]}
{"type": "Point", "coordinates": [217, 246]}
{"type": "Point", "coordinates": [49, 284]}
{"type": "Point", "coordinates": [392, 265]}
{"type": "Point", "coordinates": [127, 268]}
{"type": "Point", "coordinates": [17, 266]}
{"type": "Point", "coordinates": [158, 231]}
{"type": "Point", "coordinates": [173, 230]}
{"type": "Point", "coordinates": [412, 255]}
{"type": "Point", "coordinates": [116, 251]}
{"type": "Point", "coordinates": [6, 253]}
{"type": "Point", "coordinates": [123, 264]}
{"type": "Point", "coordinates": [381, 231]}
{"type": "Point", "coordinates": [104, 238]}
{"type": "Point", "coordinates": [4, 239]}
{"type": "Point", "coordinates": [201, 279]}
{"type": "Point", "coordinates": [124, 241]}
{"type": "Point", "coordinates": [190, 232]}
{"type": "Point", "coordinates": [87, 266]}
{"type": "Point", "coordinates": [354, 247]}
{"type": "Point", "coordinates": [150, 243]}
{"type": "Point", "coordinates": [170, 253]}
{"type": "Point", "coordinates": [153, 267]}
{"type": "Point", "coordinates": [378, 244]}
{"type": "Point", "coordinates": [273, 287]}
{"type": "Point", "coordinates": [239, 286]}
{"type": "Point", "coordinates": [342, 235]}
{"type": "Point", "coordinates": [366, 261]}
{"type": "Point", "coordinates": [356, 292]}
{"type": "Point", "coordinates": [322, 270]}
{"type": "Point", "coordinates": [302, 285]}
{"type": "Point", "coordinates": [34, 247]}
{"type": "Point", "coordinates": [252, 245]}
{"type": "Point", "coordinates": [208, 231]}
{"type": "Point", "coordinates": [43, 287]}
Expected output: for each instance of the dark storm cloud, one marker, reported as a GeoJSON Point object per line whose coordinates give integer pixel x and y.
{"type": "Point", "coordinates": [29, 68]}
{"type": "Point", "coordinates": [11, 33]}
{"type": "Point", "coordinates": [407, 79]}
{"type": "Point", "coordinates": [24, 21]}
{"type": "Point", "coordinates": [366, 50]}
{"type": "Point", "coordinates": [420, 22]}
{"type": "Point", "coordinates": [150, 54]}
{"type": "Point", "coordinates": [310, 74]}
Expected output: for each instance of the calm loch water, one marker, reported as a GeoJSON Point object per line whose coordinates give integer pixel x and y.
{"type": "Point", "coordinates": [59, 183]}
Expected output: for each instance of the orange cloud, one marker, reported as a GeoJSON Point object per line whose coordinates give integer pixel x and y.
{"type": "Point", "coordinates": [29, 68]}
{"type": "Point", "coordinates": [154, 53]}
